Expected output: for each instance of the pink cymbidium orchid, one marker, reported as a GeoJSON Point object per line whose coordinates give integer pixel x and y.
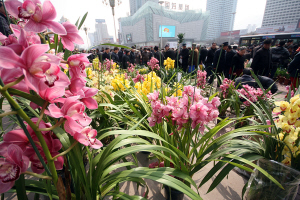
{"type": "Point", "coordinates": [9, 76]}
{"type": "Point", "coordinates": [12, 43]}
{"type": "Point", "coordinates": [71, 37]}
{"type": "Point", "coordinates": [25, 38]}
{"type": "Point", "coordinates": [36, 65]}
{"type": "Point", "coordinates": [40, 17]}
{"type": "Point", "coordinates": [77, 64]}
{"type": "Point", "coordinates": [12, 166]}
{"type": "Point", "coordinates": [87, 137]}
{"type": "Point", "coordinates": [73, 111]}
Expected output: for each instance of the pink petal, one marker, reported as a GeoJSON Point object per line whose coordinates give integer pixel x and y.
{"type": "Point", "coordinates": [55, 27]}
{"type": "Point", "coordinates": [35, 27]}
{"type": "Point", "coordinates": [4, 187]}
{"type": "Point", "coordinates": [16, 29]}
{"type": "Point", "coordinates": [22, 39]}
{"type": "Point", "coordinates": [9, 59]}
{"type": "Point", "coordinates": [50, 93]}
{"type": "Point", "coordinates": [58, 162]}
{"type": "Point", "coordinates": [62, 81]}
{"type": "Point", "coordinates": [82, 139]}
{"type": "Point", "coordinates": [68, 44]}
{"type": "Point", "coordinates": [55, 111]}
{"type": "Point", "coordinates": [17, 48]}
{"type": "Point", "coordinates": [90, 103]}
{"type": "Point", "coordinates": [33, 52]}
{"type": "Point", "coordinates": [76, 85]}
{"type": "Point", "coordinates": [49, 12]}
{"type": "Point", "coordinates": [96, 144]}
{"type": "Point", "coordinates": [76, 38]}
{"type": "Point", "coordinates": [12, 8]}
{"type": "Point", "coordinates": [83, 119]}
{"type": "Point", "coordinates": [90, 92]}
{"type": "Point", "coordinates": [71, 126]}
{"type": "Point", "coordinates": [15, 154]}
{"type": "Point", "coordinates": [70, 28]}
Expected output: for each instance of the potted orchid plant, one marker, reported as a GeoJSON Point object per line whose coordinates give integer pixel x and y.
{"type": "Point", "coordinates": [55, 133]}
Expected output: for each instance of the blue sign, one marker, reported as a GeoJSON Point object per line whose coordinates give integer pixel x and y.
{"type": "Point", "coordinates": [100, 20]}
{"type": "Point", "coordinates": [268, 36]}
{"type": "Point", "coordinates": [167, 31]}
{"type": "Point", "coordinates": [296, 35]}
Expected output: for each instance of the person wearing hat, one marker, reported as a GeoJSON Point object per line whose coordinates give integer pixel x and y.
{"type": "Point", "coordinates": [219, 62]}
{"type": "Point", "coordinates": [262, 61]}
{"type": "Point", "coordinates": [132, 55]}
{"type": "Point", "coordinates": [184, 55]}
{"type": "Point", "coordinates": [120, 54]}
{"type": "Point", "coordinates": [169, 53]}
{"type": "Point", "coordinates": [159, 56]}
{"type": "Point", "coordinates": [193, 58]}
{"type": "Point", "coordinates": [126, 59]}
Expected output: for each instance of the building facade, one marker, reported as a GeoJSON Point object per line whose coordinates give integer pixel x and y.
{"type": "Point", "coordinates": [101, 33]}
{"type": "Point", "coordinates": [222, 14]}
{"type": "Point", "coordinates": [143, 28]}
{"type": "Point", "coordinates": [281, 12]}
{"type": "Point", "coordinates": [137, 4]}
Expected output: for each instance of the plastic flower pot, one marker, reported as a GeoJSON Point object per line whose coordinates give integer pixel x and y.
{"type": "Point", "coordinates": [287, 81]}
{"type": "Point", "coordinates": [172, 194]}
{"type": "Point", "coordinates": [281, 80]}
{"type": "Point", "coordinates": [261, 187]}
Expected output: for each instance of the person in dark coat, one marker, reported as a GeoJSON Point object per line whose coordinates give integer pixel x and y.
{"type": "Point", "coordinates": [126, 59]}
{"type": "Point", "coordinates": [4, 25]}
{"type": "Point", "coordinates": [193, 59]}
{"type": "Point", "coordinates": [132, 55]}
{"type": "Point", "coordinates": [247, 79]}
{"type": "Point", "coordinates": [184, 55]}
{"type": "Point", "coordinates": [159, 56]}
{"type": "Point", "coordinates": [219, 62]}
{"type": "Point", "coordinates": [238, 63]}
{"type": "Point", "coordinates": [106, 55]}
{"type": "Point", "coordinates": [120, 54]}
{"type": "Point", "coordinates": [229, 55]}
{"type": "Point", "coordinates": [294, 69]}
{"type": "Point", "coordinates": [145, 56]}
{"type": "Point", "coordinates": [210, 58]}
{"type": "Point", "coordinates": [262, 60]}
{"type": "Point", "coordinates": [203, 54]}
{"type": "Point", "coordinates": [169, 53]}
{"type": "Point", "coordinates": [279, 55]}
{"type": "Point", "coordinates": [114, 55]}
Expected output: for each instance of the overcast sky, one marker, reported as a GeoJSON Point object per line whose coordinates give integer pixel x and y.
{"type": "Point", "coordinates": [248, 12]}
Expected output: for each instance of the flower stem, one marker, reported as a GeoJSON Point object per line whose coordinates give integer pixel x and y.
{"type": "Point", "coordinates": [13, 83]}
{"type": "Point", "coordinates": [66, 151]}
{"type": "Point", "coordinates": [37, 175]}
{"type": "Point", "coordinates": [8, 113]}
{"type": "Point", "coordinates": [52, 127]}
{"type": "Point", "coordinates": [39, 135]}
{"type": "Point", "coordinates": [42, 113]}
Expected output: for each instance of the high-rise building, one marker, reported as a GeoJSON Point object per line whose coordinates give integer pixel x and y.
{"type": "Point", "coordinates": [101, 33]}
{"type": "Point", "coordinates": [222, 14]}
{"type": "Point", "coordinates": [281, 12]}
{"type": "Point", "coordinates": [136, 4]}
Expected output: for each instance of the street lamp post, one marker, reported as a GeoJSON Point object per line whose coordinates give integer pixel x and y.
{"type": "Point", "coordinates": [233, 14]}
{"type": "Point", "coordinates": [112, 4]}
{"type": "Point", "coordinates": [161, 2]}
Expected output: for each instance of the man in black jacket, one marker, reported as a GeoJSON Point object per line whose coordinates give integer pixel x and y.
{"type": "Point", "coordinates": [126, 59]}
{"type": "Point", "coordinates": [247, 79]}
{"type": "Point", "coordinates": [132, 55]}
{"type": "Point", "coordinates": [219, 62]}
{"type": "Point", "coordinates": [159, 56]}
{"type": "Point", "coordinates": [279, 55]}
{"type": "Point", "coordinates": [262, 60]}
{"type": "Point", "coordinates": [210, 58]}
{"type": "Point", "coordinates": [229, 55]}
{"type": "Point", "coordinates": [238, 63]}
{"type": "Point", "coordinates": [203, 54]}
{"type": "Point", "coordinates": [120, 54]}
{"type": "Point", "coordinates": [294, 69]}
{"type": "Point", "coordinates": [114, 55]}
{"type": "Point", "coordinates": [106, 55]}
{"type": "Point", "coordinates": [184, 55]}
{"type": "Point", "coordinates": [169, 53]}
{"type": "Point", "coordinates": [4, 27]}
